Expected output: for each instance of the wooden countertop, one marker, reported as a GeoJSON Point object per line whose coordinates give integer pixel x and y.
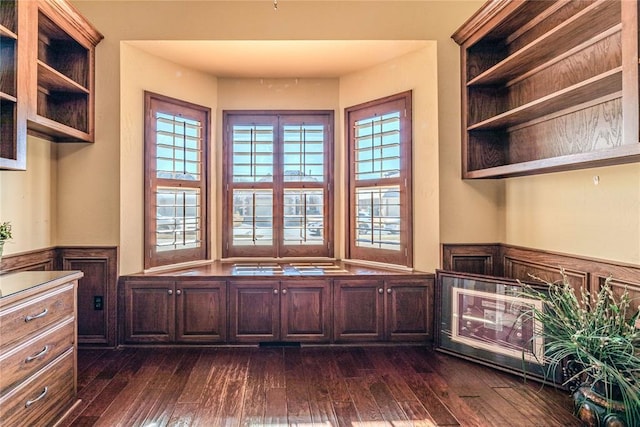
{"type": "Point", "coordinates": [24, 282]}
{"type": "Point", "coordinates": [279, 270]}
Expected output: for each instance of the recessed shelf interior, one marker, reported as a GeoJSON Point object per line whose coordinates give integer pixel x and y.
{"type": "Point", "coordinates": [61, 52]}
{"type": "Point", "coordinates": [8, 18]}
{"type": "Point", "coordinates": [8, 149]}
{"type": "Point", "coordinates": [8, 66]}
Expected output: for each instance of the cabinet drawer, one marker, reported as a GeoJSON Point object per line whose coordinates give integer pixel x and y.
{"type": "Point", "coordinates": [22, 320]}
{"type": "Point", "coordinates": [21, 362]}
{"type": "Point", "coordinates": [44, 397]}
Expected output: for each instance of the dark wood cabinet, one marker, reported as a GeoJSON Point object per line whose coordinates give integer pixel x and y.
{"type": "Point", "coordinates": [61, 72]}
{"type": "Point", "coordinates": [267, 311]}
{"type": "Point", "coordinates": [47, 61]}
{"type": "Point", "coordinates": [377, 310]}
{"type": "Point", "coordinates": [168, 311]}
{"type": "Point", "coordinates": [409, 310]}
{"type": "Point", "coordinates": [548, 86]}
{"type": "Point", "coordinates": [305, 305]}
{"type": "Point", "coordinates": [149, 311]}
{"type": "Point", "coordinates": [254, 311]}
{"type": "Point", "coordinates": [358, 310]}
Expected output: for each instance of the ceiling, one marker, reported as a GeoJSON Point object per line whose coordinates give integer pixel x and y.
{"type": "Point", "coordinates": [279, 58]}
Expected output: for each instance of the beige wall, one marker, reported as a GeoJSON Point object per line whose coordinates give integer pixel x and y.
{"type": "Point", "coordinates": [416, 71]}
{"type": "Point", "coordinates": [167, 79]}
{"type": "Point", "coordinates": [28, 199]}
{"type": "Point", "coordinates": [568, 212]}
{"type": "Point", "coordinates": [130, 20]}
{"type": "Point", "coordinates": [79, 193]}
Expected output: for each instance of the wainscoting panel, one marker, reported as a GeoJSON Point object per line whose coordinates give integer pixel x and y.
{"type": "Point", "coordinates": [516, 262]}
{"type": "Point", "coordinates": [96, 292]}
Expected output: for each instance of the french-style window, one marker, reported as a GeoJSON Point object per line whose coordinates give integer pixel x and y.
{"type": "Point", "coordinates": [176, 184]}
{"type": "Point", "coordinates": [379, 156]}
{"type": "Point", "coordinates": [278, 183]}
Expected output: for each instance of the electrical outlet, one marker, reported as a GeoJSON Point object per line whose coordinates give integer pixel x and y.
{"type": "Point", "coordinates": [97, 302]}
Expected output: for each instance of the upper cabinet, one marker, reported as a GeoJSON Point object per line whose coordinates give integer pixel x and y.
{"type": "Point", "coordinates": [62, 67]}
{"type": "Point", "coordinates": [12, 106]}
{"type": "Point", "coordinates": [46, 76]}
{"type": "Point", "coordinates": [548, 86]}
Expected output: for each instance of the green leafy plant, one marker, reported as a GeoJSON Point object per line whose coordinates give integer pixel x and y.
{"type": "Point", "coordinates": [5, 231]}
{"type": "Point", "coordinates": [597, 332]}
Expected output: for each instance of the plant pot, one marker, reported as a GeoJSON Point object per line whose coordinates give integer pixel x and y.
{"type": "Point", "coordinates": [594, 409]}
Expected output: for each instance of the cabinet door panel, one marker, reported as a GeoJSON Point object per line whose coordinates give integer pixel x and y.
{"type": "Point", "coordinates": [150, 312]}
{"type": "Point", "coordinates": [201, 312]}
{"type": "Point", "coordinates": [254, 311]}
{"type": "Point", "coordinates": [305, 310]}
{"type": "Point", "coordinates": [409, 313]}
{"type": "Point", "coordinates": [358, 310]}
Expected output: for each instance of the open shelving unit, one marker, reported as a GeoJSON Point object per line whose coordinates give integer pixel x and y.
{"type": "Point", "coordinates": [12, 137]}
{"type": "Point", "coordinates": [544, 84]}
{"type": "Point", "coordinates": [47, 52]}
{"type": "Point", "coordinates": [62, 106]}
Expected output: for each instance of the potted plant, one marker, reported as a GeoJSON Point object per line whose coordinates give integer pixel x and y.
{"type": "Point", "coordinates": [595, 340]}
{"type": "Point", "coordinates": [5, 234]}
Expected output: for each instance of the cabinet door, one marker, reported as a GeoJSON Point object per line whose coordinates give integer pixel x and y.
{"type": "Point", "coordinates": [408, 306]}
{"type": "Point", "coordinates": [149, 311]}
{"type": "Point", "coordinates": [254, 311]}
{"type": "Point", "coordinates": [305, 308]}
{"type": "Point", "coordinates": [201, 314]}
{"type": "Point", "coordinates": [358, 310]}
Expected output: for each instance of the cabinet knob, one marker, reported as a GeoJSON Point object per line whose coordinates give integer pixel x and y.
{"type": "Point", "coordinates": [170, 291]}
{"type": "Point", "coordinates": [284, 291]}
{"type": "Point", "coordinates": [275, 292]}
{"type": "Point", "coordinates": [389, 290]}
{"type": "Point", "coordinates": [179, 292]}
{"type": "Point", "coordinates": [380, 290]}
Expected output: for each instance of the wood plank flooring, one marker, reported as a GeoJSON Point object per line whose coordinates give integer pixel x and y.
{"type": "Point", "coordinates": [308, 386]}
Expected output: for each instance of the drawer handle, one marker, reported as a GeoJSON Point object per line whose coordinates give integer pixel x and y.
{"type": "Point", "coordinates": [29, 318]}
{"type": "Point", "coordinates": [41, 353]}
{"type": "Point", "coordinates": [42, 395]}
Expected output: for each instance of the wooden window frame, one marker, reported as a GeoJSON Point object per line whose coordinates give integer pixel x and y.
{"type": "Point", "coordinates": [278, 250]}
{"type": "Point", "coordinates": [153, 258]}
{"type": "Point", "coordinates": [404, 256]}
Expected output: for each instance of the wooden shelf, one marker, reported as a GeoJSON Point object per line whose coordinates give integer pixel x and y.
{"type": "Point", "coordinates": [583, 26]}
{"type": "Point", "coordinates": [5, 32]}
{"type": "Point", "coordinates": [623, 154]}
{"type": "Point", "coordinates": [53, 130]}
{"type": "Point", "coordinates": [52, 80]}
{"type": "Point", "coordinates": [596, 87]}
{"type": "Point", "coordinates": [7, 97]}
{"type": "Point", "coordinates": [549, 87]}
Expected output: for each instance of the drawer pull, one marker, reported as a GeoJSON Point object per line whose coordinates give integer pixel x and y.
{"type": "Point", "coordinates": [42, 395]}
{"type": "Point", "coordinates": [41, 353]}
{"type": "Point", "coordinates": [29, 318]}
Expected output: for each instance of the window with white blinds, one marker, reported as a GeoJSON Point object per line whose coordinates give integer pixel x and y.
{"type": "Point", "coordinates": [176, 191]}
{"type": "Point", "coordinates": [379, 156]}
{"type": "Point", "coordinates": [277, 183]}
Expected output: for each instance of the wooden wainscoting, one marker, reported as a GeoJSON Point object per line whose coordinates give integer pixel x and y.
{"type": "Point", "coordinates": [96, 325]}
{"type": "Point", "coordinates": [38, 260]}
{"type": "Point", "coordinates": [516, 262]}
{"type": "Point", "coordinates": [96, 292]}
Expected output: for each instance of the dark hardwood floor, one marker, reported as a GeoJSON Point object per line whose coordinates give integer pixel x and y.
{"type": "Point", "coordinates": [319, 386]}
